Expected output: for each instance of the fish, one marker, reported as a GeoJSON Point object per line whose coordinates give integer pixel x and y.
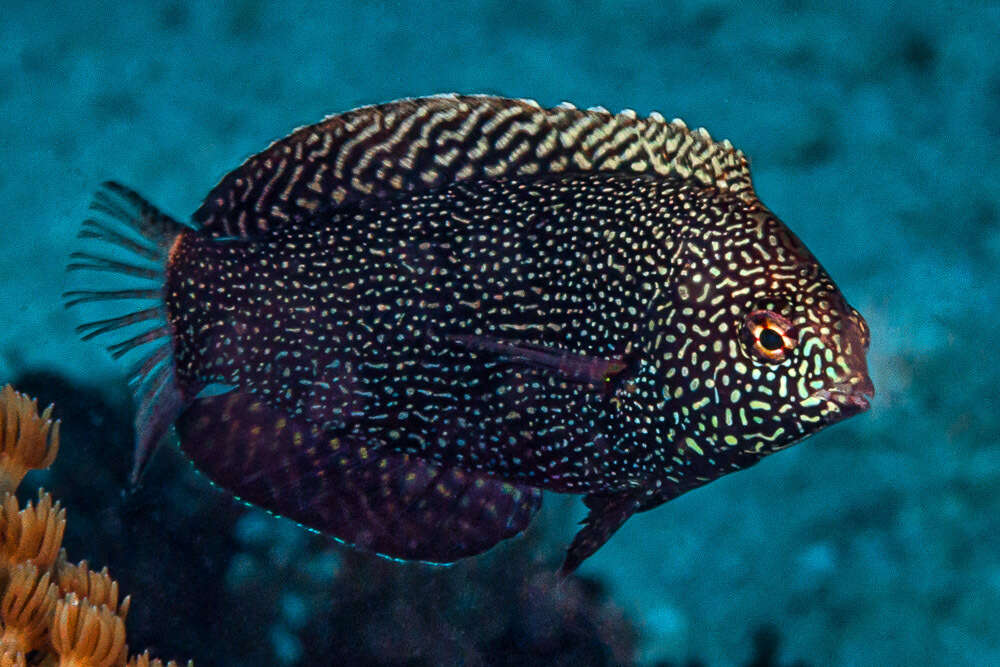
{"type": "Point", "coordinates": [401, 325]}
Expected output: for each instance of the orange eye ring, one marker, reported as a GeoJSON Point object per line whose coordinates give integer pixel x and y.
{"type": "Point", "coordinates": [770, 336]}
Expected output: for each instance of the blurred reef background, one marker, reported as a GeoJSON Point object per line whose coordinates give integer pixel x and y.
{"type": "Point", "coordinates": [873, 132]}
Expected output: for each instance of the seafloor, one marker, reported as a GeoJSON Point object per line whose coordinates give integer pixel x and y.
{"type": "Point", "coordinates": [873, 131]}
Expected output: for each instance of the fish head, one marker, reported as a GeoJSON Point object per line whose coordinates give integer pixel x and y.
{"type": "Point", "coordinates": [792, 353]}
{"type": "Point", "coordinates": [804, 362]}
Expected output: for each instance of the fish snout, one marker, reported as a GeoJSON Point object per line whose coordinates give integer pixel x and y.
{"type": "Point", "coordinates": [853, 394]}
{"type": "Point", "coordinates": [856, 391]}
{"type": "Point", "coordinates": [853, 390]}
{"type": "Point", "coordinates": [856, 388]}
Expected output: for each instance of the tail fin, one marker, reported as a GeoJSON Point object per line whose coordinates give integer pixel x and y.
{"type": "Point", "coordinates": [132, 238]}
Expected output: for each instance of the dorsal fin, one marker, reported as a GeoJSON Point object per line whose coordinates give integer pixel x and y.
{"type": "Point", "coordinates": [420, 144]}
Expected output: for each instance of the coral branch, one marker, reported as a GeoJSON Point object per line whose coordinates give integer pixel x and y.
{"type": "Point", "coordinates": [28, 441]}
{"type": "Point", "coordinates": [98, 587]}
{"type": "Point", "coordinates": [87, 636]}
{"type": "Point", "coordinates": [32, 534]}
{"type": "Point", "coordinates": [26, 608]}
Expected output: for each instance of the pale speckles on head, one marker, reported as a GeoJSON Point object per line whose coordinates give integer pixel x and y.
{"type": "Point", "coordinates": [763, 348]}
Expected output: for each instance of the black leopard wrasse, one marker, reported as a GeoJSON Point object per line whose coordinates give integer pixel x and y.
{"type": "Point", "coordinates": [399, 325]}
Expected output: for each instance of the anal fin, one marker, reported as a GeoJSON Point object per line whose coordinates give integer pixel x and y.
{"type": "Point", "coordinates": [393, 504]}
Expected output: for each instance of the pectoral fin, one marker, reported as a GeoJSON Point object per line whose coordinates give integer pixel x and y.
{"type": "Point", "coordinates": [607, 514]}
{"type": "Point", "coordinates": [573, 367]}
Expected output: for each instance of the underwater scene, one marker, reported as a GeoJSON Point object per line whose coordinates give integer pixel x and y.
{"type": "Point", "coordinates": [389, 333]}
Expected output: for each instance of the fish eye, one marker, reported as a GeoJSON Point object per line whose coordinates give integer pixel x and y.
{"type": "Point", "coordinates": [771, 339]}
{"type": "Point", "coordinates": [769, 336]}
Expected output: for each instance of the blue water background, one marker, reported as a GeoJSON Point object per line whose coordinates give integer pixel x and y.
{"type": "Point", "coordinates": [873, 131]}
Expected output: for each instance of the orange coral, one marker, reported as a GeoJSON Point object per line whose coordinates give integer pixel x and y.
{"type": "Point", "coordinates": [98, 587]}
{"type": "Point", "coordinates": [11, 657]}
{"type": "Point", "coordinates": [59, 614]}
{"type": "Point", "coordinates": [34, 533]}
{"type": "Point", "coordinates": [27, 441]}
{"type": "Point", "coordinates": [85, 635]}
{"type": "Point", "coordinates": [26, 608]}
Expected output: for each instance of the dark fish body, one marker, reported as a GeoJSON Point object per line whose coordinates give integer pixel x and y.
{"type": "Point", "coordinates": [425, 312]}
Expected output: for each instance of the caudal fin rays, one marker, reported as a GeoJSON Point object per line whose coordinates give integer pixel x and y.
{"type": "Point", "coordinates": [129, 238]}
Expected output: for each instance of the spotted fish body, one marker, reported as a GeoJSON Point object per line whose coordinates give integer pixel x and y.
{"type": "Point", "coordinates": [423, 313]}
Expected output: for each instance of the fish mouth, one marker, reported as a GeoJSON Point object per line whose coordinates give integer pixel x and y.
{"type": "Point", "coordinates": [855, 394]}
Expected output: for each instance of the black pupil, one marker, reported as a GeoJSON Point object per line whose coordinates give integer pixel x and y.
{"type": "Point", "coordinates": [771, 339]}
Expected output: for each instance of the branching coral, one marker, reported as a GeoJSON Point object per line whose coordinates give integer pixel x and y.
{"type": "Point", "coordinates": [29, 441]}
{"type": "Point", "coordinates": [33, 534]}
{"type": "Point", "coordinates": [52, 613]}
{"type": "Point", "coordinates": [85, 635]}
{"type": "Point", "coordinates": [11, 657]}
{"type": "Point", "coordinates": [26, 608]}
{"type": "Point", "coordinates": [98, 587]}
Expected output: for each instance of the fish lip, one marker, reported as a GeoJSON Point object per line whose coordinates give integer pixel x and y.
{"type": "Point", "coordinates": [856, 394]}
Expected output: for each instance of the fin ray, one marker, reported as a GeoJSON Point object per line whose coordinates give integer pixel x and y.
{"type": "Point", "coordinates": [92, 329]}
{"type": "Point", "coordinates": [146, 365]}
{"type": "Point", "coordinates": [130, 238]}
{"type": "Point", "coordinates": [119, 350]}
{"type": "Point", "coordinates": [97, 263]}
{"type": "Point", "coordinates": [607, 514]}
{"type": "Point", "coordinates": [94, 230]}
{"type": "Point", "coordinates": [75, 297]}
